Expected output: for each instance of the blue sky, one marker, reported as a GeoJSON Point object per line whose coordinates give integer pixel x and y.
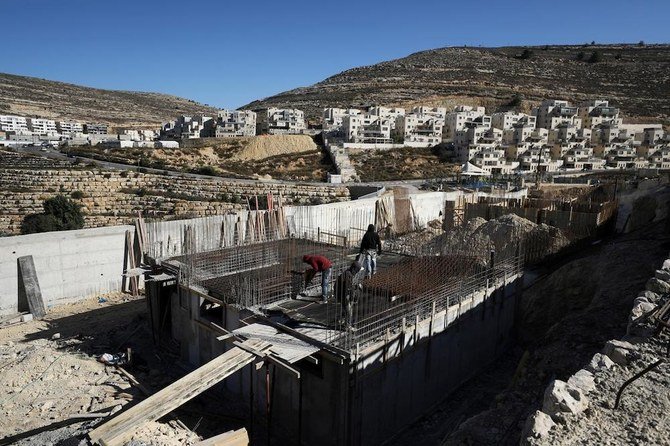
{"type": "Point", "coordinates": [226, 53]}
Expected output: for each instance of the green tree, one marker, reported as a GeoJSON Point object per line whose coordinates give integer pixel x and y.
{"type": "Point", "coordinates": [66, 211]}
{"type": "Point", "coordinates": [60, 214]}
{"type": "Point", "coordinates": [526, 54]}
{"type": "Point", "coordinates": [596, 57]}
{"type": "Point", "coordinates": [34, 223]}
{"type": "Point", "coordinates": [516, 101]}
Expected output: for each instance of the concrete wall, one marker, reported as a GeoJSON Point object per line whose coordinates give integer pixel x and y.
{"type": "Point", "coordinates": [391, 394]}
{"type": "Point", "coordinates": [70, 265]}
{"type": "Point", "coordinates": [390, 385]}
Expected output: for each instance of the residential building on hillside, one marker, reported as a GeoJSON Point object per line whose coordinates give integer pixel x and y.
{"type": "Point", "coordinates": [597, 112]}
{"type": "Point", "coordinates": [507, 120]}
{"type": "Point", "coordinates": [281, 121]}
{"type": "Point", "coordinates": [138, 135]}
{"type": "Point", "coordinates": [332, 117]}
{"type": "Point", "coordinates": [10, 123]}
{"type": "Point", "coordinates": [95, 129]}
{"type": "Point", "coordinates": [581, 158]}
{"type": "Point", "coordinates": [42, 126]}
{"type": "Point", "coordinates": [493, 161]}
{"type": "Point", "coordinates": [568, 132]}
{"type": "Point", "coordinates": [422, 127]}
{"type": "Point", "coordinates": [660, 159]}
{"type": "Point", "coordinates": [232, 123]}
{"type": "Point", "coordinates": [457, 119]}
{"type": "Point", "coordinates": [69, 127]}
{"type": "Point", "coordinates": [386, 113]}
{"type": "Point", "coordinates": [367, 129]}
{"type": "Point", "coordinates": [552, 112]}
{"type": "Point", "coordinates": [189, 127]}
{"type": "Point", "coordinates": [538, 159]}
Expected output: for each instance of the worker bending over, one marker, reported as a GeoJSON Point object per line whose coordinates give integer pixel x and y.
{"type": "Point", "coordinates": [319, 264]}
{"type": "Point", "coordinates": [371, 246]}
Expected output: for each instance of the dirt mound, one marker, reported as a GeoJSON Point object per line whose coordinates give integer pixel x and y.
{"type": "Point", "coordinates": [502, 234]}
{"type": "Point", "coordinates": [263, 147]}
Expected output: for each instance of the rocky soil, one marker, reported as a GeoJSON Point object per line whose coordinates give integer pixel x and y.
{"type": "Point", "coordinates": [633, 77]}
{"type": "Point", "coordinates": [29, 96]}
{"type": "Point", "coordinates": [49, 372]}
{"type": "Point", "coordinates": [406, 163]}
{"type": "Point", "coordinates": [283, 157]}
{"type": "Point", "coordinates": [568, 313]}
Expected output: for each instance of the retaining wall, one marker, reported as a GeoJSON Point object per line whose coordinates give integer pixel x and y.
{"type": "Point", "coordinates": [70, 265]}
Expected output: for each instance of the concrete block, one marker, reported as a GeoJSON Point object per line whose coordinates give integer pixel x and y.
{"type": "Point", "coordinates": [599, 362]}
{"type": "Point", "coordinates": [583, 380]}
{"type": "Point", "coordinates": [537, 426]}
{"type": "Point", "coordinates": [658, 286]}
{"type": "Point", "coordinates": [561, 398]}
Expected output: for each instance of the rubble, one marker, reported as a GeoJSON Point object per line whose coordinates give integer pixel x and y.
{"type": "Point", "coordinates": [561, 398]}
{"type": "Point", "coordinates": [599, 362]}
{"type": "Point", "coordinates": [537, 426]}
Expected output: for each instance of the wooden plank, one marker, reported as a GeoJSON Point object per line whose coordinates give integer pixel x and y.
{"type": "Point", "coordinates": [30, 294]}
{"type": "Point", "coordinates": [231, 438]}
{"type": "Point", "coordinates": [119, 430]}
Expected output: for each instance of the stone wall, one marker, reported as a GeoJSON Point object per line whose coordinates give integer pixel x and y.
{"type": "Point", "coordinates": [113, 197]}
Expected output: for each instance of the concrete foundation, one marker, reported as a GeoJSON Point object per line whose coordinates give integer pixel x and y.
{"type": "Point", "coordinates": [361, 397]}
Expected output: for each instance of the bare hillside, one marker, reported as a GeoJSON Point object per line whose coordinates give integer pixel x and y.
{"type": "Point", "coordinates": [635, 77]}
{"type": "Point", "coordinates": [29, 96]}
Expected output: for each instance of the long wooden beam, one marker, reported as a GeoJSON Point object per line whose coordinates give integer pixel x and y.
{"type": "Point", "coordinates": [118, 430]}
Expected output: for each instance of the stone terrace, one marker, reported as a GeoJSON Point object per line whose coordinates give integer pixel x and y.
{"type": "Point", "coordinates": [112, 197]}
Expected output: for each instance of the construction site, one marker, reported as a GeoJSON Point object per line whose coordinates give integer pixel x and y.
{"type": "Point", "coordinates": [332, 360]}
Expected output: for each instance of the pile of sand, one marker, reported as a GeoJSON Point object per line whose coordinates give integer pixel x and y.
{"type": "Point", "coordinates": [265, 146]}
{"type": "Point", "coordinates": [503, 234]}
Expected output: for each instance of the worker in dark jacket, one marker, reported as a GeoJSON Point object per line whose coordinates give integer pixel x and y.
{"type": "Point", "coordinates": [319, 264]}
{"type": "Point", "coordinates": [347, 288]}
{"type": "Point", "coordinates": [371, 246]}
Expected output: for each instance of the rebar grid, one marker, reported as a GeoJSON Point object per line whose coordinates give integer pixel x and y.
{"type": "Point", "coordinates": [385, 309]}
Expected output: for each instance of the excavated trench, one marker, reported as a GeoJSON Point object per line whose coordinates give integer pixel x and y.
{"type": "Point", "coordinates": [571, 308]}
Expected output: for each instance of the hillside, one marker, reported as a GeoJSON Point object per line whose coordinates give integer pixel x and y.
{"type": "Point", "coordinates": [634, 77]}
{"type": "Point", "coordinates": [29, 96]}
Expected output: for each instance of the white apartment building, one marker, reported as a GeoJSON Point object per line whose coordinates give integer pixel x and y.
{"type": "Point", "coordinates": [457, 119]}
{"type": "Point", "coordinates": [565, 132]}
{"type": "Point", "coordinates": [232, 123]}
{"type": "Point", "coordinates": [69, 127]}
{"type": "Point", "coordinates": [332, 117]}
{"type": "Point", "coordinates": [475, 138]}
{"type": "Point", "coordinates": [9, 123]}
{"type": "Point", "coordinates": [581, 158]}
{"type": "Point", "coordinates": [538, 159]}
{"type": "Point", "coordinates": [367, 129]}
{"type": "Point", "coordinates": [95, 129]}
{"type": "Point", "coordinates": [423, 127]}
{"type": "Point", "coordinates": [660, 159]}
{"type": "Point", "coordinates": [189, 127]}
{"type": "Point", "coordinates": [508, 120]}
{"type": "Point", "coordinates": [386, 113]}
{"type": "Point", "coordinates": [594, 113]}
{"type": "Point", "coordinates": [552, 113]}
{"type": "Point", "coordinates": [41, 126]}
{"type": "Point", "coordinates": [493, 161]}
{"type": "Point", "coordinates": [138, 135]}
{"type": "Point", "coordinates": [281, 121]}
